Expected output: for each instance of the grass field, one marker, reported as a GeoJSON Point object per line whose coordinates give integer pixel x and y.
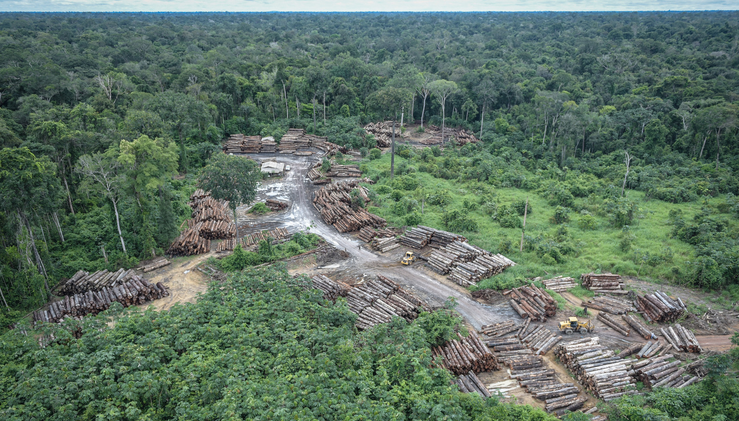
{"type": "Point", "coordinates": [652, 255]}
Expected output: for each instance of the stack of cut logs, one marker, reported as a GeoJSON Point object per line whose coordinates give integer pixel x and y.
{"type": "Point", "coordinates": [558, 397]}
{"type": "Point", "coordinates": [377, 301]}
{"type": "Point", "coordinates": [211, 219]}
{"type": "Point", "coordinates": [275, 205]}
{"type": "Point", "coordinates": [661, 372]}
{"type": "Point", "coordinates": [469, 383]}
{"type": "Point", "coordinates": [681, 339]}
{"type": "Point", "coordinates": [384, 244]}
{"type": "Point", "coordinates": [344, 171]}
{"type": "Point", "coordinates": [483, 267]}
{"type": "Point", "coordinates": [445, 258]}
{"type": "Point", "coordinates": [189, 242]}
{"type": "Point", "coordinates": [238, 143]}
{"type": "Point", "coordinates": [461, 136]}
{"type": "Point", "coordinates": [383, 132]}
{"type": "Point", "coordinates": [638, 326]}
{"type": "Point", "coordinates": [531, 302]}
{"type": "Point", "coordinates": [334, 202]}
{"type": "Point", "coordinates": [255, 238]}
{"type": "Point", "coordinates": [659, 307]}
{"type": "Point", "coordinates": [82, 281]}
{"type": "Point", "coordinates": [652, 349]}
{"type": "Point", "coordinates": [213, 230]}
{"type": "Point", "coordinates": [421, 236]}
{"type": "Point", "coordinates": [331, 289]}
{"type": "Point", "coordinates": [294, 141]}
{"type": "Point", "coordinates": [540, 340]}
{"type": "Point", "coordinates": [136, 290]}
{"type": "Point", "coordinates": [314, 175]}
{"type": "Point", "coordinates": [611, 322]}
{"type": "Point", "coordinates": [465, 355]}
{"type": "Point", "coordinates": [604, 283]}
{"type": "Point", "coordinates": [598, 368]}
{"type": "Point", "coordinates": [560, 283]}
{"type": "Point", "coordinates": [613, 305]}
{"type": "Point", "coordinates": [155, 265]}
{"type": "Point", "coordinates": [366, 234]}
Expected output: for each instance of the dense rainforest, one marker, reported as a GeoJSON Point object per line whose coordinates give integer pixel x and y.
{"type": "Point", "coordinates": [616, 134]}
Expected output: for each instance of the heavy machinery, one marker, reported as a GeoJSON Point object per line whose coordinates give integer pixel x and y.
{"type": "Point", "coordinates": [573, 325]}
{"type": "Point", "coordinates": [409, 258]}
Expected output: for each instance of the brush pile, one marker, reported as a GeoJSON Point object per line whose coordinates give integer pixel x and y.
{"type": "Point", "coordinates": [659, 307]}
{"type": "Point", "coordinates": [464, 355]}
{"type": "Point", "coordinates": [613, 305]}
{"type": "Point", "coordinates": [638, 326]}
{"type": "Point", "coordinates": [560, 283]}
{"type": "Point", "coordinates": [377, 301]}
{"type": "Point", "coordinates": [275, 205]}
{"type": "Point", "coordinates": [469, 383]}
{"type": "Point", "coordinates": [136, 290]}
{"type": "Point", "coordinates": [604, 283]}
{"type": "Point", "coordinates": [331, 289]}
{"type": "Point", "coordinates": [681, 339]}
{"type": "Point", "coordinates": [383, 132]}
{"type": "Point", "coordinates": [82, 281]}
{"type": "Point", "coordinates": [661, 372]}
{"type": "Point", "coordinates": [421, 236]}
{"type": "Point", "coordinates": [532, 302]}
{"type": "Point", "coordinates": [598, 368]}
{"type": "Point", "coordinates": [334, 202]}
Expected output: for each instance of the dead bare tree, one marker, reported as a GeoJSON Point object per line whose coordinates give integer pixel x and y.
{"type": "Point", "coordinates": [628, 164]}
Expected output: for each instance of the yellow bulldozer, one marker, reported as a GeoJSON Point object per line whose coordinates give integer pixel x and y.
{"type": "Point", "coordinates": [573, 325]}
{"type": "Point", "coordinates": [408, 258]}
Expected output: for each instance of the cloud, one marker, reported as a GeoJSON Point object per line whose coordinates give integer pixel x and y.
{"type": "Point", "coordinates": [355, 6]}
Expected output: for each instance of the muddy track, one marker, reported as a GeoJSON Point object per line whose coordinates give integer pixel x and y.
{"type": "Point", "coordinates": [298, 190]}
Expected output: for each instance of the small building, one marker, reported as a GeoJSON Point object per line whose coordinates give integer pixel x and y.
{"type": "Point", "coordinates": [272, 167]}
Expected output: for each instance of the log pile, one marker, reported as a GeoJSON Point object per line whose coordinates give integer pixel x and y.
{"type": "Point", "coordinates": [275, 205]}
{"type": "Point", "coordinates": [331, 289]}
{"type": "Point", "coordinates": [377, 301]}
{"type": "Point", "coordinates": [652, 349]}
{"type": "Point", "coordinates": [82, 281]}
{"type": "Point", "coordinates": [598, 368]}
{"type": "Point", "coordinates": [613, 305]}
{"type": "Point", "coordinates": [366, 234]}
{"type": "Point", "coordinates": [314, 175]}
{"type": "Point", "coordinates": [463, 355]}
{"type": "Point", "coordinates": [421, 236]}
{"type": "Point", "coordinates": [344, 171]}
{"type": "Point", "coordinates": [483, 267]}
{"type": "Point", "coordinates": [604, 283]}
{"type": "Point", "coordinates": [681, 339]}
{"type": "Point", "coordinates": [543, 385]}
{"type": "Point", "coordinates": [293, 141]}
{"type": "Point", "coordinates": [469, 383]}
{"type": "Point", "coordinates": [638, 327]}
{"type": "Point", "coordinates": [334, 202]}
{"type": "Point", "coordinates": [215, 230]}
{"type": "Point", "coordinates": [255, 238]}
{"type": "Point", "coordinates": [156, 265]}
{"type": "Point", "coordinates": [226, 245]}
{"type": "Point", "coordinates": [540, 340]}
{"type": "Point", "coordinates": [659, 307]}
{"type": "Point", "coordinates": [134, 291]}
{"type": "Point", "coordinates": [445, 258]}
{"type": "Point", "coordinates": [209, 209]}
{"type": "Point", "coordinates": [383, 132]}
{"type": "Point", "coordinates": [461, 136]}
{"type": "Point", "coordinates": [502, 328]}
{"type": "Point", "coordinates": [661, 372]}
{"type": "Point", "coordinates": [189, 243]}
{"type": "Point", "coordinates": [384, 244]}
{"type": "Point", "coordinates": [560, 283]}
{"type": "Point", "coordinates": [611, 322]}
{"type": "Point", "coordinates": [238, 143]}
{"type": "Point", "coordinates": [532, 302]}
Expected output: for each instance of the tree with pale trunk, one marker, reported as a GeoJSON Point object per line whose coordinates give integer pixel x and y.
{"type": "Point", "coordinates": [442, 90]}
{"type": "Point", "coordinates": [387, 102]}
{"type": "Point", "coordinates": [101, 170]}
{"type": "Point", "coordinates": [486, 92]}
{"type": "Point", "coordinates": [424, 91]}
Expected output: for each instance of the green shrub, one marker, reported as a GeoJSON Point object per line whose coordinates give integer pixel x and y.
{"type": "Point", "coordinates": [440, 198]}
{"type": "Point", "coordinates": [259, 209]}
{"type": "Point", "coordinates": [396, 195]}
{"type": "Point", "coordinates": [413, 219]}
{"type": "Point", "coordinates": [383, 189]}
{"type": "Point", "coordinates": [561, 215]}
{"type": "Point", "coordinates": [621, 211]}
{"type": "Point", "coordinates": [375, 153]}
{"type": "Point", "coordinates": [548, 260]}
{"type": "Point", "coordinates": [510, 220]}
{"type": "Point", "coordinates": [457, 221]}
{"type": "Point", "coordinates": [405, 182]}
{"type": "Point", "coordinates": [326, 165]}
{"type": "Point", "coordinates": [587, 222]}
{"type": "Point", "coordinates": [520, 207]}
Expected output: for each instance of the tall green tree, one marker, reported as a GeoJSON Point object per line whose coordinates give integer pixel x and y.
{"type": "Point", "coordinates": [231, 178]}
{"type": "Point", "coordinates": [387, 102]}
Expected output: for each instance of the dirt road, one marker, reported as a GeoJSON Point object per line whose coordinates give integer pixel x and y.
{"type": "Point", "coordinates": [298, 190]}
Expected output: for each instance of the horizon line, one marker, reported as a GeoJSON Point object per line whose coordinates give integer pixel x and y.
{"type": "Point", "coordinates": [373, 11]}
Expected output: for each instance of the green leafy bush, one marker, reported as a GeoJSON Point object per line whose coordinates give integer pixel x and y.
{"type": "Point", "coordinates": [259, 209]}
{"type": "Point", "coordinates": [561, 215]}
{"type": "Point", "coordinates": [375, 153]}
{"type": "Point", "coordinates": [520, 207]}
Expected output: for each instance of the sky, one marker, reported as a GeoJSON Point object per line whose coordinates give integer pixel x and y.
{"type": "Point", "coordinates": [357, 6]}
